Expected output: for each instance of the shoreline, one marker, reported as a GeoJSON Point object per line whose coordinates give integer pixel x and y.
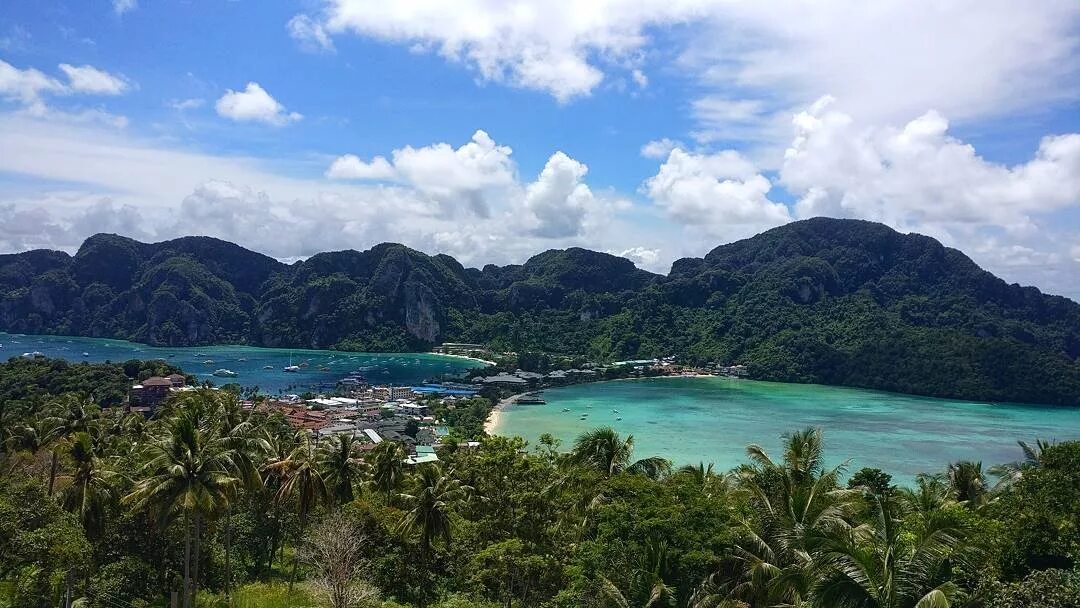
{"type": "Point", "coordinates": [478, 359]}
{"type": "Point", "coordinates": [491, 424]}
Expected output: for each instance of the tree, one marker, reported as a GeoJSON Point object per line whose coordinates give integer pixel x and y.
{"type": "Point", "coordinates": [968, 483]}
{"type": "Point", "coordinates": [1011, 472]}
{"type": "Point", "coordinates": [433, 498]}
{"type": "Point", "coordinates": [91, 484]}
{"type": "Point", "coordinates": [301, 480]}
{"type": "Point", "coordinates": [190, 471]}
{"type": "Point", "coordinates": [341, 467]}
{"type": "Point", "coordinates": [875, 481]}
{"type": "Point", "coordinates": [388, 468]}
{"type": "Point", "coordinates": [875, 566]}
{"type": "Point", "coordinates": [334, 549]}
{"type": "Point", "coordinates": [604, 450]}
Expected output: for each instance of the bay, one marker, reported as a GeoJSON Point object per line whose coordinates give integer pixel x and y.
{"type": "Point", "coordinates": [709, 419]}
{"type": "Point", "coordinates": [322, 368]}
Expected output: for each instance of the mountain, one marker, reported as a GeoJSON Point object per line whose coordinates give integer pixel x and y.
{"type": "Point", "coordinates": [843, 302]}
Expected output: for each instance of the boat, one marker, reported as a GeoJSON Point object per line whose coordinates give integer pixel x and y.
{"type": "Point", "coordinates": [33, 355]}
{"type": "Point", "coordinates": [303, 364]}
{"type": "Point", "coordinates": [566, 409]}
{"type": "Point", "coordinates": [614, 411]}
{"type": "Point", "coordinates": [86, 354]}
{"type": "Point", "coordinates": [224, 373]}
{"type": "Point", "coordinates": [619, 418]}
{"type": "Point", "coordinates": [323, 368]}
{"type": "Point", "coordinates": [208, 362]}
{"type": "Point", "coordinates": [242, 359]}
{"type": "Point", "coordinates": [291, 368]}
{"type": "Point", "coordinates": [268, 367]}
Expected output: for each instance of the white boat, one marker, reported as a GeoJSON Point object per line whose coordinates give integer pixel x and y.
{"type": "Point", "coordinates": [268, 367]}
{"type": "Point", "coordinates": [208, 362]}
{"type": "Point", "coordinates": [291, 368]}
{"type": "Point", "coordinates": [86, 354]}
{"type": "Point", "coordinates": [224, 373]}
{"type": "Point", "coordinates": [33, 355]}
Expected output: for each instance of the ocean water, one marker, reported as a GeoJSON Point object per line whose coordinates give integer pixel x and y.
{"type": "Point", "coordinates": [324, 367]}
{"type": "Point", "coordinates": [692, 420]}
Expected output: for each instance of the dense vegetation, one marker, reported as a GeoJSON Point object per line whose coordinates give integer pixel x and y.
{"type": "Point", "coordinates": [830, 301]}
{"type": "Point", "coordinates": [212, 501]}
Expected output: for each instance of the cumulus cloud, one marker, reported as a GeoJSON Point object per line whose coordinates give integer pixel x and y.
{"type": "Point", "coordinates": [254, 104]}
{"type": "Point", "coordinates": [559, 48]}
{"type": "Point", "coordinates": [659, 148]}
{"type": "Point", "coordinates": [640, 79]}
{"type": "Point", "coordinates": [88, 79]}
{"type": "Point", "coordinates": [919, 175]}
{"type": "Point", "coordinates": [122, 6]}
{"type": "Point", "coordinates": [558, 199]}
{"type": "Point", "coordinates": [722, 193]}
{"type": "Point", "coordinates": [641, 256]}
{"type": "Point", "coordinates": [467, 178]}
{"type": "Point", "coordinates": [349, 166]}
{"type": "Point", "coordinates": [29, 87]}
{"type": "Point", "coordinates": [310, 34]}
{"type": "Point", "coordinates": [26, 86]}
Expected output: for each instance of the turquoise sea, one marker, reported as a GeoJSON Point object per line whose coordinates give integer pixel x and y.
{"type": "Point", "coordinates": [323, 368]}
{"type": "Point", "coordinates": [691, 420]}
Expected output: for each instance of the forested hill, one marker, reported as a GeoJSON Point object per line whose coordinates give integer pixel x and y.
{"type": "Point", "coordinates": [831, 301]}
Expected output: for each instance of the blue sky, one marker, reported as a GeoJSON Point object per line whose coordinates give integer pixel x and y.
{"type": "Point", "coordinates": [495, 130]}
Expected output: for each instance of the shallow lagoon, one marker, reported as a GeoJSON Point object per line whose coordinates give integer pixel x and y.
{"type": "Point", "coordinates": [690, 420]}
{"type": "Point", "coordinates": [323, 367]}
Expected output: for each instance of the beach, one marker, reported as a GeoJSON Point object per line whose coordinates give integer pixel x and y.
{"type": "Point", "coordinates": [491, 425]}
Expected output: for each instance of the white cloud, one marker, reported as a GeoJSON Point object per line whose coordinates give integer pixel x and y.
{"type": "Point", "coordinates": [183, 105]}
{"type": "Point", "coordinates": [26, 86]}
{"type": "Point", "coordinates": [721, 194]}
{"type": "Point", "coordinates": [468, 178]}
{"type": "Point", "coordinates": [969, 58]}
{"type": "Point", "coordinates": [88, 79]}
{"type": "Point", "coordinates": [350, 166]}
{"type": "Point", "coordinates": [310, 34]}
{"type": "Point", "coordinates": [640, 79]}
{"type": "Point", "coordinates": [919, 176]}
{"type": "Point", "coordinates": [254, 104]}
{"type": "Point", "coordinates": [122, 6]}
{"type": "Point", "coordinates": [659, 148]}
{"type": "Point", "coordinates": [558, 199]}
{"type": "Point", "coordinates": [558, 48]}
{"type": "Point", "coordinates": [641, 256]}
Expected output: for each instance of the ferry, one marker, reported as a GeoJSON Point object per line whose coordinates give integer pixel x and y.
{"type": "Point", "coordinates": [225, 373]}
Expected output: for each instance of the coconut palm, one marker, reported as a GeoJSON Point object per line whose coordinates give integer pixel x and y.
{"type": "Point", "coordinates": [968, 483]}
{"type": "Point", "coordinates": [604, 450]}
{"type": "Point", "coordinates": [92, 483]}
{"type": "Point", "coordinates": [433, 498]}
{"type": "Point", "coordinates": [660, 595]}
{"type": "Point", "coordinates": [388, 468]}
{"type": "Point", "coordinates": [189, 472]}
{"type": "Point", "coordinates": [41, 433]}
{"type": "Point", "coordinates": [301, 480]}
{"type": "Point", "coordinates": [876, 566]}
{"type": "Point", "coordinates": [1009, 473]}
{"type": "Point", "coordinates": [341, 467]}
{"type": "Point", "coordinates": [798, 502]}
{"type": "Point", "coordinates": [70, 414]}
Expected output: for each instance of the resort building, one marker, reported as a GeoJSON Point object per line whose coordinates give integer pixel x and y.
{"type": "Point", "coordinates": [505, 380]}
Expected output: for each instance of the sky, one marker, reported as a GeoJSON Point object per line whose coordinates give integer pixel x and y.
{"type": "Point", "coordinates": [493, 130]}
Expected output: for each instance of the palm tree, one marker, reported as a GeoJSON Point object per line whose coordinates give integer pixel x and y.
{"type": "Point", "coordinates": [92, 484]}
{"type": "Point", "coordinates": [301, 479]}
{"type": "Point", "coordinates": [874, 566]}
{"type": "Point", "coordinates": [434, 496]}
{"type": "Point", "coordinates": [604, 450]}
{"type": "Point", "coordinates": [238, 433]}
{"type": "Point", "coordinates": [72, 414]}
{"type": "Point", "coordinates": [190, 471]}
{"type": "Point", "coordinates": [388, 468]}
{"type": "Point", "coordinates": [1009, 473]}
{"type": "Point", "coordinates": [798, 502]}
{"type": "Point", "coordinates": [341, 467]}
{"type": "Point", "coordinates": [41, 433]}
{"type": "Point", "coordinates": [660, 595]}
{"type": "Point", "coordinates": [968, 482]}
